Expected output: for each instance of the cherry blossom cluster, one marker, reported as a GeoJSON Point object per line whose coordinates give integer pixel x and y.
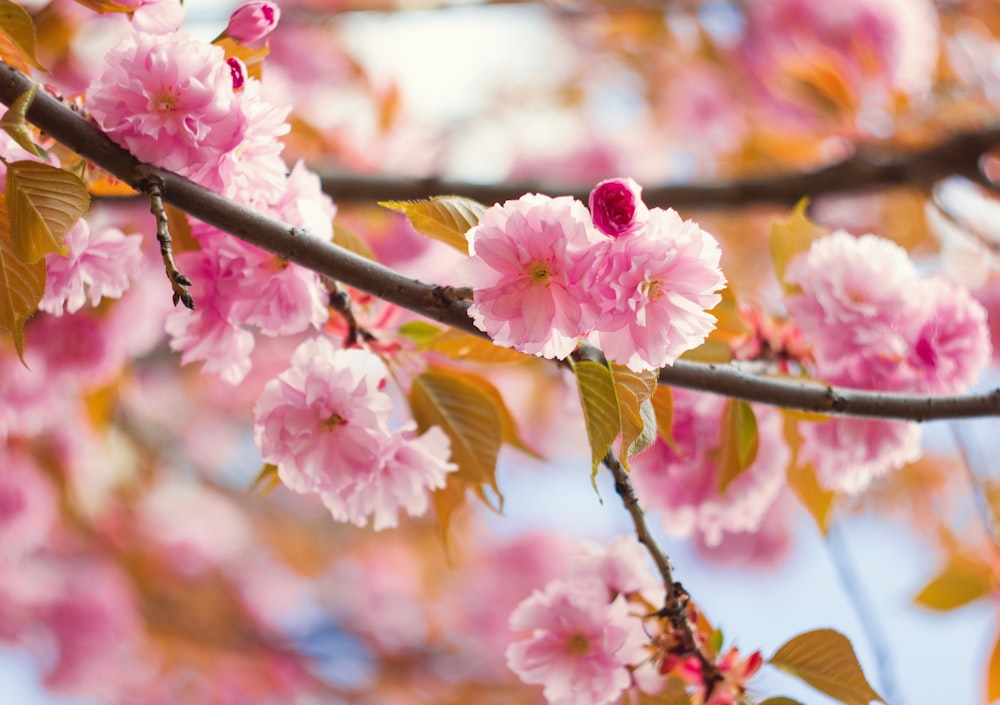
{"type": "Point", "coordinates": [324, 424]}
{"type": "Point", "coordinates": [178, 103]}
{"type": "Point", "coordinates": [636, 282]}
{"type": "Point", "coordinates": [874, 323]}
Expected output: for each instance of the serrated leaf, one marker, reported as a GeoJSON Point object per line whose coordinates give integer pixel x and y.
{"type": "Point", "coordinates": [789, 237]}
{"type": "Point", "coordinates": [781, 700]}
{"type": "Point", "coordinates": [663, 405]}
{"type": "Point", "coordinates": [964, 578]}
{"type": "Point", "coordinates": [470, 418]}
{"type": "Point", "coordinates": [473, 348]}
{"type": "Point", "coordinates": [601, 415]}
{"type": "Point", "coordinates": [17, 37]}
{"type": "Point", "coordinates": [801, 478]}
{"type": "Point", "coordinates": [21, 285]}
{"type": "Point", "coordinates": [993, 674]}
{"type": "Point", "coordinates": [14, 124]}
{"type": "Point", "coordinates": [342, 237]}
{"type": "Point", "coordinates": [418, 332]}
{"type": "Point", "coordinates": [43, 202]}
{"type": "Point", "coordinates": [738, 442]}
{"type": "Point", "coordinates": [508, 426]}
{"type": "Point", "coordinates": [825, 659]}
{"type": "Point", "coordinates": [638, 419]}
{"type": "Point", "coordinates": [444, 218]}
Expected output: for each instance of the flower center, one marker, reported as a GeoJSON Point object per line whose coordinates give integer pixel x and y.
{"type": "Point", "coordinates": [166, 102]}
{"type": "Point", "coordinates": [652, 290]}
{"type": "Point", "coordinates": [539, 273]}
{"type": "Point", "coordinates": [578, 645]}
{"type": "Point", "coordinates": [333, 421]}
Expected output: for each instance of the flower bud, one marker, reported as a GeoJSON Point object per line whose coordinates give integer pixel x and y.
{"type": "Point", "coordinates": [253, 21]}
{"type": "Point", "coordinates": [616, 207]}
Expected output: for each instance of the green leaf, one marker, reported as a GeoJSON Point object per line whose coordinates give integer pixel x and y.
{"type": "Point", "coordinates": [17, 37]}
{"type": "Point", "coordinates": [825, 659]}
{"type": "Point", "coordinates": [14, 124]}
{"type": "Point", "coordinates": [966, 577]}
{"type": "Point", "coordinates": [738, 441]}
{"type": "Point", "coordinates": [444, 218]}
{"type": "Point", "coordinates": [418, 332]}
{"type": "Point", "coordinates": [21, 285]}
{"type": "Point", "coordinates": [600, 409]}
{"type": "Point", "coordinates": [791, 236]}
{"type": "Point", "coordinates": [638, 418]}
{"type": "Point", "coordinates": [44, 202]}
{"type": "Point", "coordinates": [469, 416]}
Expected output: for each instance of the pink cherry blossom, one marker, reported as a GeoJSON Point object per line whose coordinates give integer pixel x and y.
{"type": "Point", "coordinates": [529, 264]}
{"type": "Point", "coordinates": [683, 481]}
{"type": "Point", "coordinates": [854, 299]}
{"type": "Point", "coordinates": [849, 453]}
{"type": "Point", "coordinates": [623, 567]}
{"type": "Point", "coordinates": [654, 288]}
{"type": "Point", "coordinates": [323, 421]}
{"type": "Point", "coordinates": [253, 21]}
{"type": "Point", "coordinates": [579, 644]}
{"type": "Point", "coordinates": [97, 265]}
{"type": "Point", "coordinates": [156, 16]}
{"type": "Point", "coordinates": [950, 342]}
{"type": "Point", "coordinates": [617, 208]}
{"type": "Point", "coordinates": [409, 467]}
{"type": "Point", "coordinates": [169, 100]}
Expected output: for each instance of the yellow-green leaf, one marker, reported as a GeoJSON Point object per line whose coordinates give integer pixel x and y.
{"type": "Point", "coordinates": [447, 501]}
{"type": "Point", "coordinates": [710, 352]}
{"type": "Point", "coordinates": [993, 674]}
{"type": "Point", "coordinates": [21, 285]}
{"type": "Point", "coordinates": [342, 237]}
{"type": "Point", "coordinates": [17, 37]}
{"type": "Point", "coordinates": [444, 218]}
{"type": "Point", "coordinates": [473, 348]}
{"type": "Point", "coordinates": [825, 659]}
{"type": "Point", "coordinates": [43, 202]}
{"type": "Point", "coordinates": [600, 409]}
{"type": "Point", "coordinates": [418, 332]}
{"type": "Point", "coordinates": [965, 577]}
{"type": "Point", "coordinates": [104, 6]}
{"type": "Point", "coordinates": [14, 124]}
{"type": "Point", "coordinates": [663, 405]}
{"type": "Point", "coordinates": [789, 237]}
{"type": "Point", "coordinates": [638, 418]}
{"type": "Point", "coordinates": [266, 480]}
{"type": "Point", "coordinates": [738, 441]}
{"type": "Point", "coordinates": [801, 477]}
{"type": "Point", "coordinates": [471, 419]}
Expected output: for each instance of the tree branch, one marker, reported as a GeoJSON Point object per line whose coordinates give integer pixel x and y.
{"type": "Point", "coordinates": [868, 168]}
{"type": "Point", "coordinates": [298, 246]}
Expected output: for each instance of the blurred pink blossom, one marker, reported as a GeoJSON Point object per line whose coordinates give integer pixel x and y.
{"type": "Point", "coordinates": [580, 645]}
{"type": "Point", "coordinates": [683, 481]}
{"type": "Point", "coordinates": [529, 265]}
{"type": "Point", "coordinates": [655, 287]}
{"type": "Point", "coordinates": [97, 265]}
{"type": "Point", "coordinates": [253, 21]}
{"type": "Point", "coordinates": [617, 208]}
{"type": "Point", "coordinates": [155, 16]}
{"type": "Point", "coordinates": [623, 567]}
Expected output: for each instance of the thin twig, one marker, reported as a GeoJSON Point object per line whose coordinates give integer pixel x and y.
{"type": "Point", "coordinates": [675, 602]}
{"type": "Point", "coordinates": [152, 186]}
{"type": "Point", "coordinates": [340, 301]}
{"type": "Point", "coordinates": [298, 246]}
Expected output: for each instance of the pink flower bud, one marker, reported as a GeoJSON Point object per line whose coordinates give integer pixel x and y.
{"type": "Point", "coordinates": [238, 72]}
{"type": "Point", "coordinates": [253, 21]}
{"type": "Point", "coordinates": [617, 208]}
